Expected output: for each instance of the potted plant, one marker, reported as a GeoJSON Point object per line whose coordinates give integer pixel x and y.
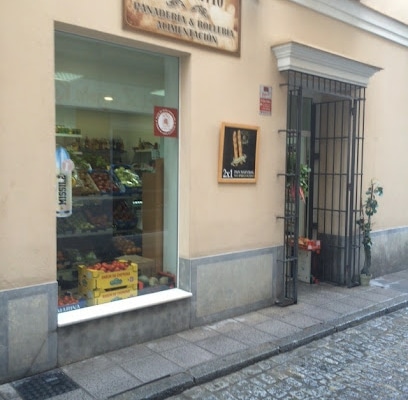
{"type": "Point", "coordinates": [304, 181]}
{"type": "Point", "coordinates": [367, 210]}
{"type": "Point", "coordinates": [304, 172]}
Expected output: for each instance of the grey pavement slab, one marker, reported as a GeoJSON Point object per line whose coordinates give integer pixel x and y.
{"type": "Point", "coordinates": [196, 334]}
{"type": "Point", "coordinates": [252, 318]}
{"type": "Point", "coordinates": [221, 345]}
{"type": "Point", "coordinates": [299, 320]}
{"type": "Point", "coordinates": [316, 312]}
{"type": "Point", "coordinates": [168, 342]}
{"type": "Point", "coordinates": [187, 356]}
{"type": "Point", "coordinates": [226, 325]}
{"type": "Point", "coordinates": [250, 336]}
{"type": "Point", "coordinates": [278, 328]}
{"type": "Point", "coordinates": [230, 348]}
{"type": "Point", "coordinates": [151, 368]}
{"type": "Point", "coordinates": [129, 353]}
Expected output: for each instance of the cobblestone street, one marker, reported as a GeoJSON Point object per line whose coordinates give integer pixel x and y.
{"type": "Point", "coordinates": [368, 361]}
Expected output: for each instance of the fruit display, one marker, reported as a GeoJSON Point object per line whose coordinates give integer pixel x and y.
{"type": "Point", "coordinates": [115, 265]}
{"type": "Point", "coordinates": [123, 216]}
{"type": "Point", "coordinates": [96, 161]}
{"type": "Point", "coordinates": [126, 246]}
{"type": "Point", "coordinates": [99, 216]}
{"type": "Point", "coordinates": [67, 302]}
{"type": "Point", "coordinates": [83, 184]}
{"type": "Point", "coordinates": [106, 203]}
{"type": "Point", "coordinates": [161, 281]}
{"type": "Point", "coordinates": [79, 221]}
{"type": "Point", "coordinates": [74, 256]}
{"type": "Point", "coordinates": [129, 179]}
{"type": "Point", "coordinates": [106, 275]}
{"type": "Point", "coordinates": [62, 261]}
{"type": "Point", "coordinates": [104, 182]}
{"type": "Point", "coordinates": [65, 226]}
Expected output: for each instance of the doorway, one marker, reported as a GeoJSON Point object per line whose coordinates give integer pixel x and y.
{"type": "Point", "coordinates": [323, 181]}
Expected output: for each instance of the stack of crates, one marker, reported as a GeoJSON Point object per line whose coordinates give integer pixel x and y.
{"type": "Point", "coordinates": [101, 286]}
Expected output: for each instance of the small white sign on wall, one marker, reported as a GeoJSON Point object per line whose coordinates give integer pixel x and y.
{"type": "Point", "coordinates": [265, 100]}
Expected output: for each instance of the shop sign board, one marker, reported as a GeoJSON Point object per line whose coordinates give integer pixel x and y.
{"type": "Point", "coordinates": [165, 122]}
{"type": "Point", "coordinates": [238, 153]}
{"type": "Point", "coordinates": [211, 23]}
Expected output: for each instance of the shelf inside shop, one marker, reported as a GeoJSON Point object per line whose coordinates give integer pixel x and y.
{"type": "Point", "coordinates": [127, 232]}
{"type": "Point", "coordinates": [69, 135]}
{"type": "Point", "coordinates": [85, 234]}
{"type": "Point", "coordinates": [104, 197]}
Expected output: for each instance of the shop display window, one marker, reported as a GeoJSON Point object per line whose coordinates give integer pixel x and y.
{"type": "Point", "coordinates": [117, 183]}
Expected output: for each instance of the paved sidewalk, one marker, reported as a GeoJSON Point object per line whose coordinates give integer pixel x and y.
{"type": "Point", "coordinates": [161, 368]}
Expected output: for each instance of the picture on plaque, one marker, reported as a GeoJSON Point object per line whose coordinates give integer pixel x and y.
{"type": "Point", "coordinates": [237, 162]}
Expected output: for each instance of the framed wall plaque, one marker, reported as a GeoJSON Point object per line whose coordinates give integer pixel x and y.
{"type": "Point", "coordinates": [238, 153]}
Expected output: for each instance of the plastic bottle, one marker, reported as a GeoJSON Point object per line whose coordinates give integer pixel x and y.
{"type": "Point", "coordinates": [64, 168]}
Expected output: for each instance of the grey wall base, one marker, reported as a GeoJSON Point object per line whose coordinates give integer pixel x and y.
{"type": "Point", "coordinates": [223, 286]}
{"type": "Point", "coordinates": [389, 251]}
{"type": "Point", "coordinates": [389, 254]}
{"type": "Point", "coordinates": [28, 331]}
{"type": "Point", "coordinates": [85, 340]}
{"type": "Point", "coordinates": [227, 285]}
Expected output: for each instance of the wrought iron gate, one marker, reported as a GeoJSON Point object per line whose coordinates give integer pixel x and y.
{"type": "Point", "coordinates": [335, 157]}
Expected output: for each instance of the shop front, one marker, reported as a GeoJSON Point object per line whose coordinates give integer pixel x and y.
{"type": "Point", "coordinates": [152, 155]}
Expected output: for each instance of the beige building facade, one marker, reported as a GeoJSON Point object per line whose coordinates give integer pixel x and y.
{"type": "Point", "coordinates": [225, 244]}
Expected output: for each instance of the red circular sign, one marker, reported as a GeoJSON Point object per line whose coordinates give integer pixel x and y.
{"type": "Point", "coordinates": [166, 122]}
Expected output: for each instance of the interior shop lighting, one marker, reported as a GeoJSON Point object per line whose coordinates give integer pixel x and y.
{"type": "Point", "coordinates": [66, 76]}
{"type": "Point", "coordinates": [108, 98]}
{"type": "Point", "coordinates": [159, 92]}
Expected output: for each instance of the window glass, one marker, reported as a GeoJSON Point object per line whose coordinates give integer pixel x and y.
{"type": "Point", "coordinates": [117, 183]}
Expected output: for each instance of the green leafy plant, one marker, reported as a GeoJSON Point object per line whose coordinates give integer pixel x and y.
{"type": "Point", "coordinates": [368, 208]}
{"type": "Point", "coordinates": [304, 179]}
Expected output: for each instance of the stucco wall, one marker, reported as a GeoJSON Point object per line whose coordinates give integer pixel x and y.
{"type": "Point", "coordinates": [27, 142]}
{"type": "Point", "coordinates": [215, 218]}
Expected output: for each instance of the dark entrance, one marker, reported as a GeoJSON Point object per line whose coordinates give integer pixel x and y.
{"type": "Point", "coordinates": [324, 143]}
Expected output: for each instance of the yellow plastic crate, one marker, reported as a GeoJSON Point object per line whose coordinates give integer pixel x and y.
{"type": "Point", "coordinates": [96, 279]}
{"type": "Point", "coordinates": [95, 297]}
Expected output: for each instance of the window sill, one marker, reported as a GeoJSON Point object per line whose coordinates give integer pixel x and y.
{"type": "Point", "coordinates": [117, 307]}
